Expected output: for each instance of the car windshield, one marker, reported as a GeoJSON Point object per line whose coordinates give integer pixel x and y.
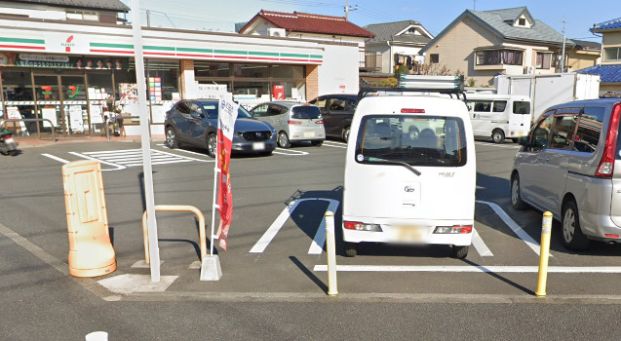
{"type": "Point", "coordinates": [416, 140]}
{"type": "Point", "coordinates": [306, 112]}
{"type": "Point", "coordinates": [210, 110]}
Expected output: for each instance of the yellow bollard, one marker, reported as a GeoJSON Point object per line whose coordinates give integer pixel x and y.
{"type": "Point", "coordinates": [331, 254]}
{"type": "Point", "coordinates": [544, 254]}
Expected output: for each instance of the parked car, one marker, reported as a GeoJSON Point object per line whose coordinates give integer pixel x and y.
{"type": "Point", "coordinates": [499, 116]}
{"type": "Point", "coordinates": [195, 122]}
{"type": "Point", "coordinates": [570, 164]}
{"type": "Point", "coordinates": [293, 121]}
{"type": "Point", "coordinates": [410, 173]}
{"type": "Point", "coordinates": [337, 111]}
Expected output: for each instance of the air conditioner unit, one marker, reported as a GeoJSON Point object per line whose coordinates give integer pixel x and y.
{"type": "Point", "coordinates": [277, 32]}
{"type": "Point", "coordinates": [529, 70]}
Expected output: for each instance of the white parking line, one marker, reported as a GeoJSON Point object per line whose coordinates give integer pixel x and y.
{"type": "Point", "coordinates": [289, 152]}
{"type": "Point", "coordinates": [116, 167]}
{"type": "Point", "coordinates": [526, 238]}
{"type": "Point", "coordinates": [479, 245]}
{"type": "Point", "coordinates": [471, 268]}
{"type": "Point", "coordinates": [271, 232]}
{"type": "Point", "coordinates": [182, 150]}
{"type": "Point", "coordinates": [497, 145]}
{"type": "Point", "coordinates": [316, 247]}
{"type": "Point", "coordinates": [332, 144]}
{"type": "Point", "coordinates": [55, 158]}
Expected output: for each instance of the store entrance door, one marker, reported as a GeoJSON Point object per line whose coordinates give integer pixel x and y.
{"type": "Point", "coordinates": [62, 100]}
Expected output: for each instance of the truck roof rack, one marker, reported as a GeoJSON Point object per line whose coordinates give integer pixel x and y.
{"type": "Point", "coordinates": [448, 85]}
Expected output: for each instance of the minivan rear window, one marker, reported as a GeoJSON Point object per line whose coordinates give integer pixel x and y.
{"type": "Point", "coordinates": [305, 112]}
{"type": "Point", "coordinates": [590, 124]}
{"type": "Point", "coordinates": [521, 108]}
{"type": "Point", "coordinates": [417, 140]}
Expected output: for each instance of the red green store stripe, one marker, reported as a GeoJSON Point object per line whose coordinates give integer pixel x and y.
{"type": "Point", "coordinates": [22, 43]}
{"type": "Point", "coordinates": [150, 50]}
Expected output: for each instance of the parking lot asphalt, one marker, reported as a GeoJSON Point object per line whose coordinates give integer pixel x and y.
{"type": "Point", "coordinates": [299, 185]}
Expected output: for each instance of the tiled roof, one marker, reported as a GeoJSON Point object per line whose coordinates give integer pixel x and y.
{"type": "Point", "coordinates": [113, 5]}
{"type": "Point", "coordinates": [610, 25]}
{"type": "Point", "coordinates": [587, 45]}
{"type": "Point", "coordinates": [499, 21]}
{"type": "Point", "coordinates": [387, 32]}
{"type": "Point", "coordinates": [312, 23]}
{"type": "Point", "coordinates": [608, 73]}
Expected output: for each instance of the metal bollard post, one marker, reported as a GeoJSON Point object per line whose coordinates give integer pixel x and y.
{"type": "Point", "coordinates": [331, 254]}
{"type": "Point", "coordinates": [544, 255]}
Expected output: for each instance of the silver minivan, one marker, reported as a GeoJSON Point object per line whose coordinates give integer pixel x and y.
{"type": "Point", "coordinates": [293, 121]}
{"type": "Point", "coordinates": [570, 164]}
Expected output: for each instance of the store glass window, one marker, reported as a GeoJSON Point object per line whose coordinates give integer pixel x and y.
{"type": "Point", "coordinates": [162, 80]}
{"type": "Point", "coordinates": [211, 69]}
{"type": "Point", "coordinates": [19, 100]}
{"type": "Point", "coordinates": [287, 71]}
{"type": "Point", "coordinates": [289, 90]}
{"type": "Point", "coordinates": [250, 70]}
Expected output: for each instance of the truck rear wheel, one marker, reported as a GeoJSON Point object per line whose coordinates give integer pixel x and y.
{"type": "Point", "coordinates": [498, 136]}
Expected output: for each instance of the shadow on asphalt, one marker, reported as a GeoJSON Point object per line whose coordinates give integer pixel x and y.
{"type": "Point", "coordinates": [309, 273]}
{"type": "Point", "coordinates": [501, 278]}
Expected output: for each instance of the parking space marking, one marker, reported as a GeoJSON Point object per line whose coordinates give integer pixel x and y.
{"type": "Point", "coordinates": [316, 247]}
{"type": "Point", "coordinates": [320, 236]}
{"type": "Point", "coordinates": [116, 167]}
{"type": "Point", "coordinates": [290, 152]}
{"type": "Point", "coordinates": [55, 158]}
{"type": "Point", "coordinates": [479, 245]}
{"type": "Point", "coordinates": [497, 145]}
{"type": "Point", "coordinates": [182, 150]}
{"type": "Point", "coordinates": [333, 144]}
{"type": "Point", "coordinates": [472, 269]}
{"type": "Point", "coordinates": [519, 231]}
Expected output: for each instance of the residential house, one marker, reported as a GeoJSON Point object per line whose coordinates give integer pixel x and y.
{"type": "Point", "coordinates": [308, 26]}
{"type": "Point", "coordinates": [610, 68]}
{"type": "Point", "coordinates": [583, 55]}
{"type": "Point", "coordinates": [483, 44]}
{"type": "Point", "coordinates": [72, 11]}
{"type": "Point", "coordinates": [395, 44]}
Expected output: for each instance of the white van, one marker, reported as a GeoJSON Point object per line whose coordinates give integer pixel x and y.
{"type": "Point", "coordinates": [410, 173]}
{"type": "Point", "coordinates": [499, 116]}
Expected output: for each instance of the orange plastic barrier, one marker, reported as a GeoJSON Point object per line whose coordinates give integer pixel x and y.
{"type": "Point", "coordinates": [90, 250]}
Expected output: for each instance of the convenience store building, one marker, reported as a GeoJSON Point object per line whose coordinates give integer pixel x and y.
{"type": "Point", "coordinates": [70, 73]}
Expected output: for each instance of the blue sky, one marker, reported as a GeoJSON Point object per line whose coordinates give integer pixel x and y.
{"type": "Point", "coordinates": [220, 15]}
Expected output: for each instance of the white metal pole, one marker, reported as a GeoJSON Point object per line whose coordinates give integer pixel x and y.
{"type": "Point", "coordinates": [331, 254]}
{"type": "Point", "coordinates": [154, 252]}
{"type": "Point", "coordinates": [214, 205]}
{"type": "Point", "coordinates": [563, 50]}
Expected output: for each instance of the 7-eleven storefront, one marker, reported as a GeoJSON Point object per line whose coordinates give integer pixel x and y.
{"type": "Point", "coordinates": [73, 75]}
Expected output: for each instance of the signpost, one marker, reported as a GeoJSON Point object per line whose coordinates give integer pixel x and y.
{"type": "Point", "coordinates": [154, 252]}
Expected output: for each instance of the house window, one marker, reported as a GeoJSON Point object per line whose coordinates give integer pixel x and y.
{"type": "Point", "coordinates": [82, 15]}
{"type": "Point", "coordinates": [544, 60]}
{"type": "Point", "coordinates": [522, 22]}
{"type": "Point", "coordinates": [612, 53]}
{"type": "Point", "coordinates": [435, 58]}
{"type": "Point", "coordinates": [497, 57]}
{"type": "Point", "coordinates": [412, 30]}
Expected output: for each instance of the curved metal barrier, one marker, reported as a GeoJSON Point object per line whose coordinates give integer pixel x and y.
{"type": "Point", "coordinates": [176, 208]}
{"type": "Point", "coordinates": [3, 123]}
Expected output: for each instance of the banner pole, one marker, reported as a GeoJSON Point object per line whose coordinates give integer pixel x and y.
{"type": "Point", "coordinates": [214, 205]}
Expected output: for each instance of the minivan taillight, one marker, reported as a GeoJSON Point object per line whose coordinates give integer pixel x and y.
{"type": "Point", "coordinates": [292, 122]}
{"type": "Point", "coordinates": [606, 164]}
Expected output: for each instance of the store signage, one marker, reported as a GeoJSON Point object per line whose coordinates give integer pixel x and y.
{"type": "Point", "coordinates": [36, 57]}
{"type": "Point", "coordinates": [67, 43]}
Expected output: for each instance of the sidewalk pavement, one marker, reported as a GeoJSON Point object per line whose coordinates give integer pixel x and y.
{"type": "Point", "coordinates": [46, 140]}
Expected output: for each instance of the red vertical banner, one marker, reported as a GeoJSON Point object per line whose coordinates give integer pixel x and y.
{"type": "Point", "coordinates": [278, 92]}
{"type": "Point", "coordinates": [226, 128]}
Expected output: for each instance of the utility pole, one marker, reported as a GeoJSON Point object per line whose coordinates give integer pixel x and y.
{"type": "Point", "coordinates": [346, 10]}
{"type": "Point", "coordinates": [148, 18]}
{"type": "Point", "coordinates": [474, 5]}
{"type": "Point", "coordinates": [563, 50]}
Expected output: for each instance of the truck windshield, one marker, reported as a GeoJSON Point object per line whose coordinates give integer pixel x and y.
{"type": "Point", "coordinates": [416, 140]}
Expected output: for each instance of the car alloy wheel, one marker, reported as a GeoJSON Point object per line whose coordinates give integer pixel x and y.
{"type": "Point", "coordinates": [171, 138]}
{"type": "Point", "coordinates": [573, 238]}
{"type": "Point", "coordinates": [498, 136]}
{"type": "Point", "coordinates": [212, 145]}
{"type": "Point", "coordinates": [283, 140]}
{"type": "Point", "coordinates": [569, 225]}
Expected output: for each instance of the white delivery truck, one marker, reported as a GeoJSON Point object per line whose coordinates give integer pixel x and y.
{"type": "Point", "coordinates": [549, 90]}
{"type": "Point", "coordinates": [410, 171]}
{"type": "Point", "coordinates": [499, 116]}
